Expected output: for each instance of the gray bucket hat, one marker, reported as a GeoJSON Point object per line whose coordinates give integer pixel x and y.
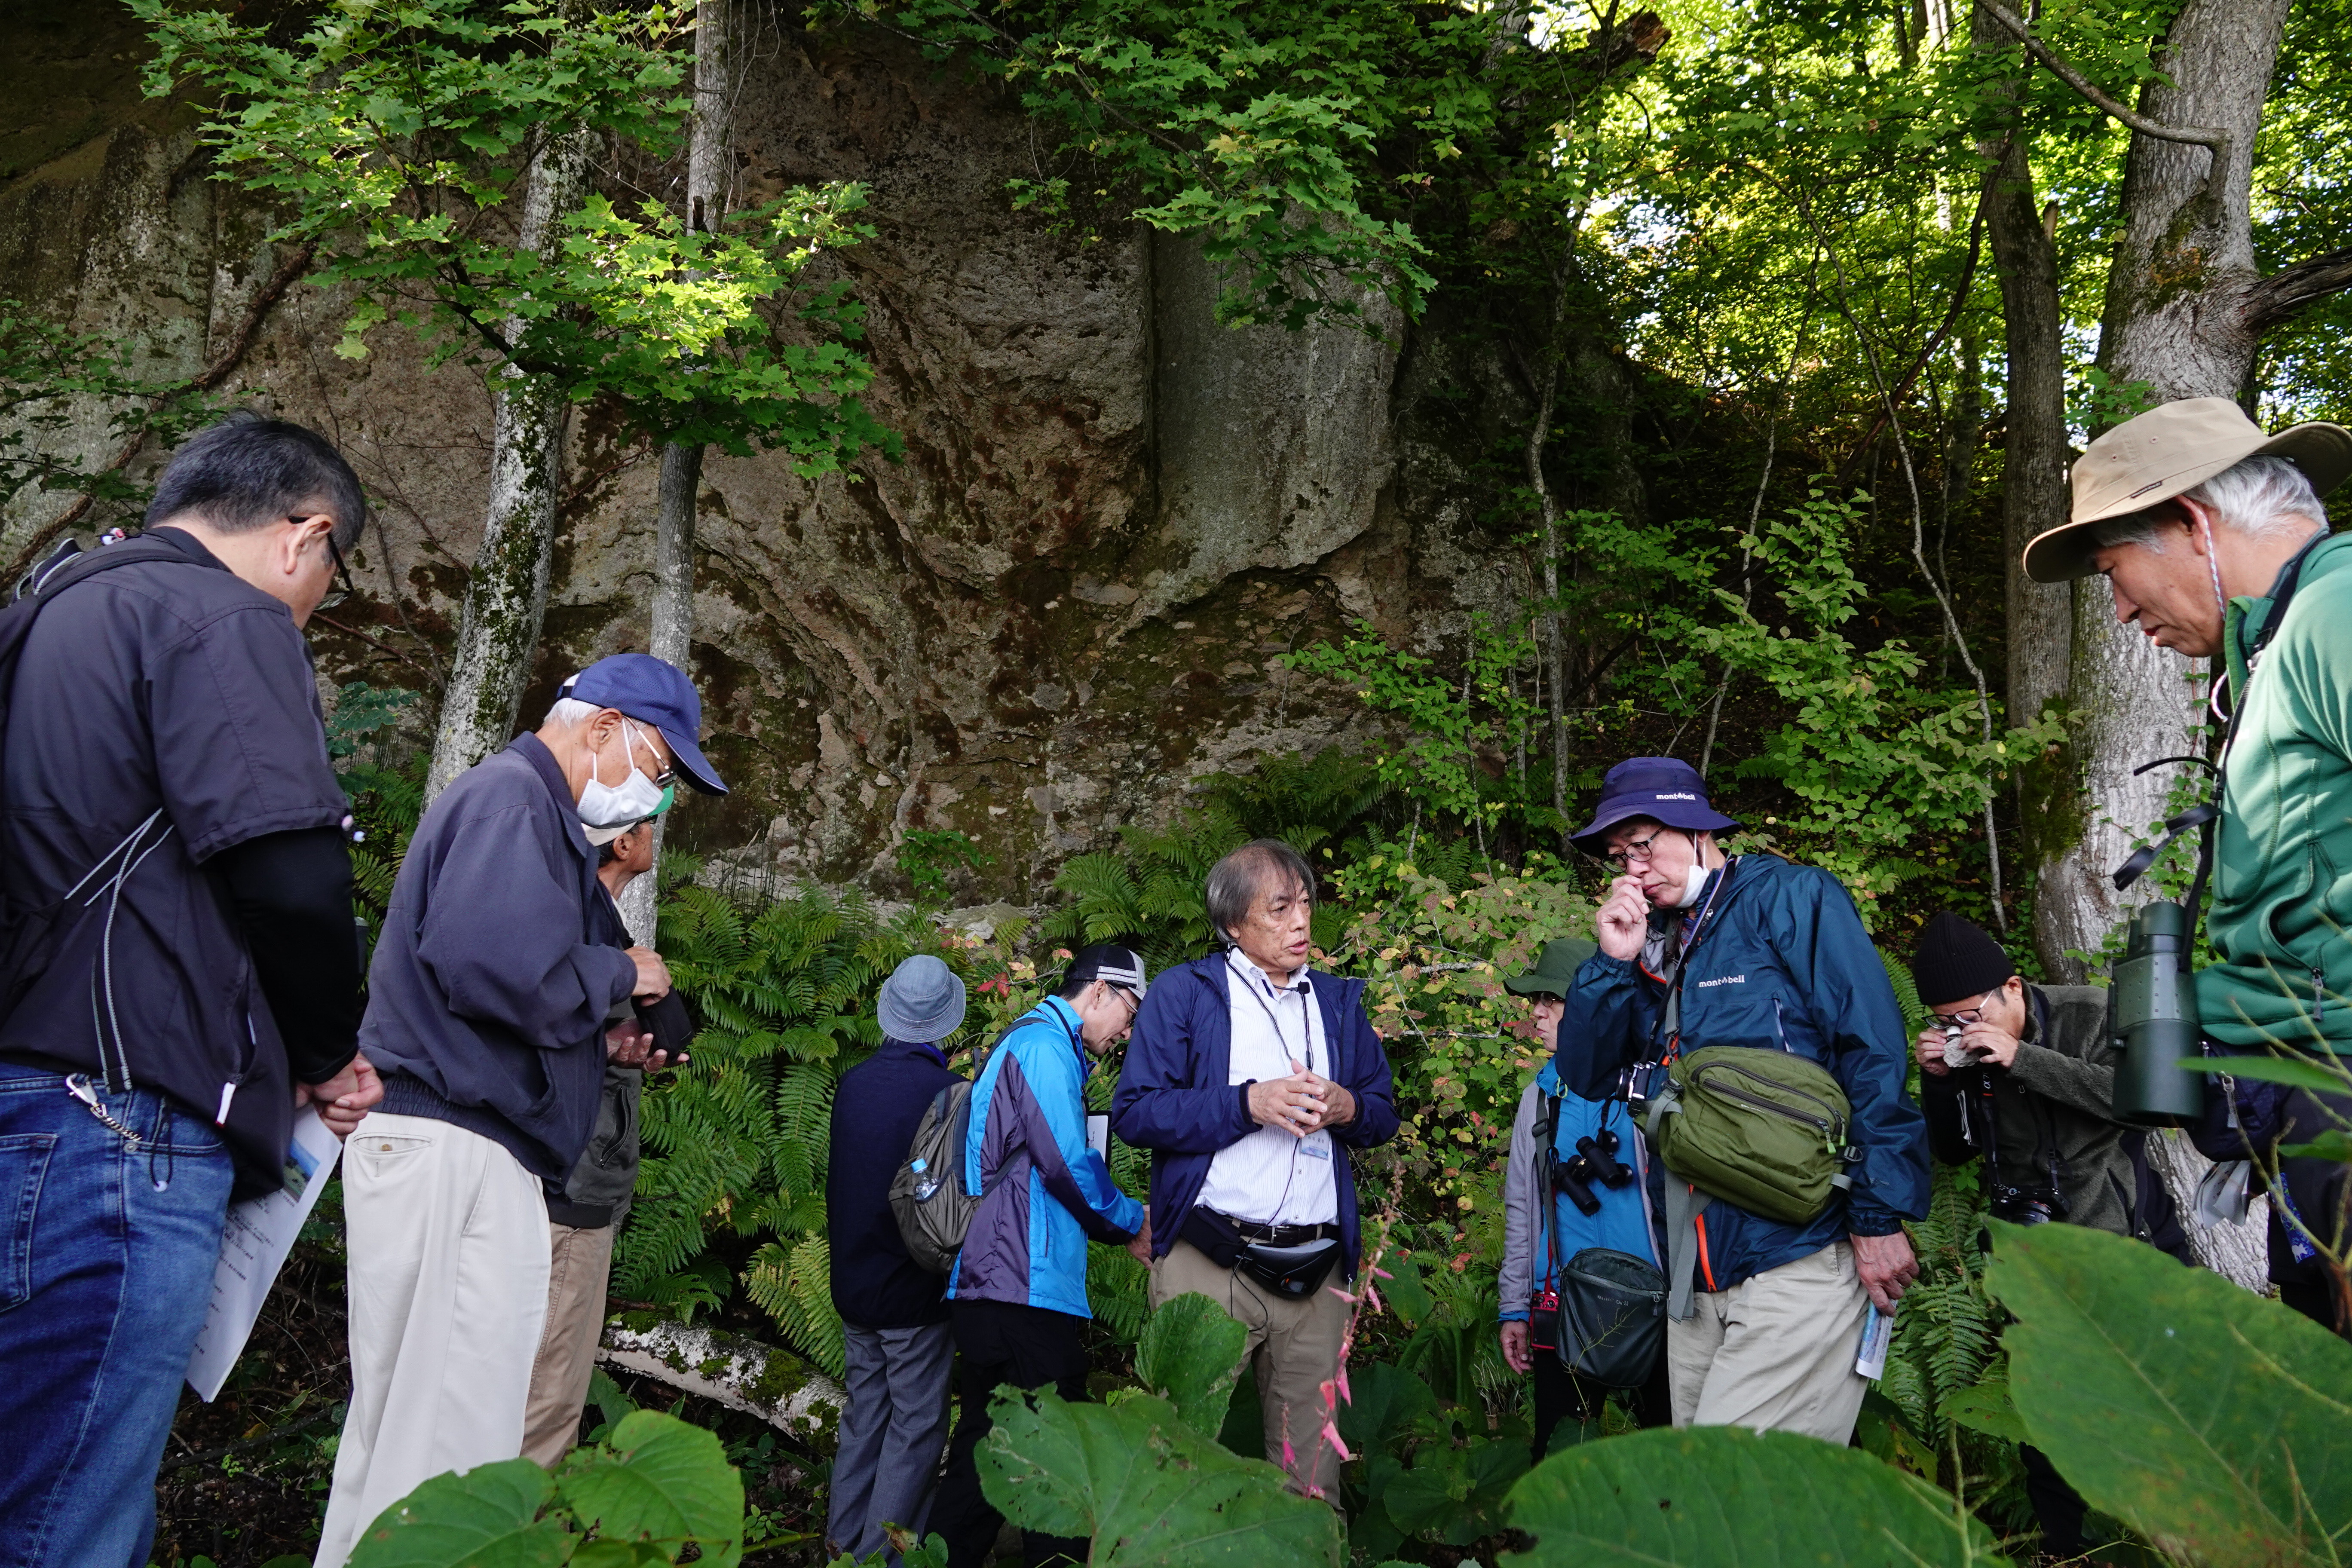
{"type": "Point", "coordinates": [922, 1001]}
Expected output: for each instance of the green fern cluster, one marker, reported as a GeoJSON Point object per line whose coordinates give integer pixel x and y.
{"type": "Point", "coordinates": [736, 1142]}
{"type": "Point", "coordinates": [1946, 1334]}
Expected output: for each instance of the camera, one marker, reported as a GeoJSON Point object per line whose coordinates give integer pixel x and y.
{"type": "Point", "coordinates": [2026, 1206]}
{"type": "Point", "coordinates": [2152, 1021]}
{"type": "Point", "coordinates": [1598, 1157]}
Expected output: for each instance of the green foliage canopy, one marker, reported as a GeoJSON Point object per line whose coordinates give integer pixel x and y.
{"type": "Point", "coordinates": [395, 137]}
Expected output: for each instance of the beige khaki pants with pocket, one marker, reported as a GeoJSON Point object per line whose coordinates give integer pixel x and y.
{"type": "Point", "coordinates": [1775, 1353]}
{"type": "Point", "coordinates": [448, 1295]}
{"type": "Point", "coordinates": [580, 1265]}
{"type": "Point", "coordinates": [1293, 1350]}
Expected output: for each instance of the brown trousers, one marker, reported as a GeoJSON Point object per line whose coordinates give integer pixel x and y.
{"type": "Point", "coordinates": [579, 1263]}
{"type": "Point", "coordinates": [1293, 1350]}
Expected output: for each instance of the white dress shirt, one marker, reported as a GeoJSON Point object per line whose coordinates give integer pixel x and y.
{"type": "Point", "coordinates": [1271, 1177]}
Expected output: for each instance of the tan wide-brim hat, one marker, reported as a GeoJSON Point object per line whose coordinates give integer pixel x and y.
{"type": "Point", "coordinates": [2164, 452]}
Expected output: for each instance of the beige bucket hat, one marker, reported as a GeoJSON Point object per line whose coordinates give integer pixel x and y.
{"type": "Point", "coordinates": [2166, 451]}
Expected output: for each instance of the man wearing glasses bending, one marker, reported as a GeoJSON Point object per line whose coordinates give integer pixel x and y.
{"type": "Point", "coordinates": [487, 1004]}
{"type": "Point", "coordinates": [1701, 950]}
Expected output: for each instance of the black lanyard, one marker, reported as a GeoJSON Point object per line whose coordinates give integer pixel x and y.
{"type": "Point", "coordinates": [1250, 980]}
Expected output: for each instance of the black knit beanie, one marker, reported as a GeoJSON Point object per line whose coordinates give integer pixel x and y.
{"type": "Point", "coordinates": [1957, 960]}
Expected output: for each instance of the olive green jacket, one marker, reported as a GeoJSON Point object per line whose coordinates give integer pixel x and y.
{"type": "Point", "coordinates": [2049, 1120]}
{"type": "Point", "coordinates": [2280, 919]}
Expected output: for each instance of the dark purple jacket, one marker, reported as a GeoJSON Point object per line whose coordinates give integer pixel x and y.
{"type": "Point", "coordinates": [1173, 1100]}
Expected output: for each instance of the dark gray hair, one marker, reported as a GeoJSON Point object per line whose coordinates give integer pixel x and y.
{"type": "Point", "coordinates": [1250, 872]}
{"type": "Point", "coordinates": [247, 472]}
{"type": "Point", "coordinates": [2263, 498]}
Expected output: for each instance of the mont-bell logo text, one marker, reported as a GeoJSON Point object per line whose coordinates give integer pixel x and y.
{"type": "Point", "coordinates": [1678, 794]}
{"type": "Point", "coordinates": [1724, 980]}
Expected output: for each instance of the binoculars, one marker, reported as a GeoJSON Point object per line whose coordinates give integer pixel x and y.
{"type": "Point", "coordinates": [2152, 1022]}
{"type": "Point", "coordinates": [1596, 1161]}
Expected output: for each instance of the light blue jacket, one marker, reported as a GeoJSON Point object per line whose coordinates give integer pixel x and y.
{"type": "Point", "coordinates": [1043, 1193]}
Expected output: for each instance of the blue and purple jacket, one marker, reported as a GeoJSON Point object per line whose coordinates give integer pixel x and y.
{"type": "Point", "coordinates": [1173, 1100]}
{"type": "Point", "coordinates": [1043, 1193]}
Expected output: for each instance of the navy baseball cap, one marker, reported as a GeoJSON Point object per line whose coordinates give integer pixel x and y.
{"type": "Point", "coordinates": [1664, 789]}
{"type": "Point", "coordinates": [652, 691]}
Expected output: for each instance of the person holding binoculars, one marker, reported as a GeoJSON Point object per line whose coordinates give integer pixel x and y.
{"type": "Point", "coordinates": [2213, 539]}
{"type": "Point", "coordinates": [1575, 1195]}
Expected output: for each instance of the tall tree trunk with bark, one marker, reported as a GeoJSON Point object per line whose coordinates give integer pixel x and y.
{"type": "Point", "coordinates": [506, 593]}
{"type": "Point", "coordinates": [2035, 451]}
{"type": "Point", "coordinates": [706, 186]}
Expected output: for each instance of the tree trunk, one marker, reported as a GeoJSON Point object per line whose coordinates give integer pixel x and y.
{"type": "Point", "coordinates": [506, 593]}
{"type": "Point", "coordinates": [2033, 466]}
{"type": "Point", "coordinates": [672, 637]}
{"type": "Point", "coordinates": [2171, 320]}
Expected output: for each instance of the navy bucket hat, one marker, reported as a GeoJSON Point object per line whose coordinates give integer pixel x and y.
{"type": "Point", "coordinates": [1664, 789]}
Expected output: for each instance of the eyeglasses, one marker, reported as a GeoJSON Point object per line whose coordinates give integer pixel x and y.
{"type": "Point", "coordinates": [1971, 1013]}
{"type": "Point", "coordinates": [343, 588]}
{"type": "Point", "coordinates": [667, 777]}
{"type": "Point", "coordinates": [1636, 852]}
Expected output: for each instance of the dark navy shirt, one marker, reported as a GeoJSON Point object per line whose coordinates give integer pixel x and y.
{"type": "Point", "coordinates": [876, 1110]}
{"type": "Point", "coordinates": [491, 983]}
{"type": "Point", "coordinates": [172, 693]}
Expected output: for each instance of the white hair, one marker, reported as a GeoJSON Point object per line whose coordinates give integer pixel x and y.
{"type": "Point", "coordinates": [2260, 497]}
{"type": "Point", "coordinates": [571, 712]}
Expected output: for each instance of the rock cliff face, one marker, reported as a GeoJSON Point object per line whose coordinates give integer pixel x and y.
{"type": "Point", "coordinates": [1069, 598]}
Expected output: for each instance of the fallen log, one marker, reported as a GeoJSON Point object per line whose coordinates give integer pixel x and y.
{"type": "Point", "coordinates": [741, 1373]}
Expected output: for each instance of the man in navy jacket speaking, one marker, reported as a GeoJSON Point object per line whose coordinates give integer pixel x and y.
{"type": "Point", "coordinates": [1250, 1078]}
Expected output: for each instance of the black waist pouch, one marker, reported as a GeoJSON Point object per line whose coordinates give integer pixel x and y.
{"type": "Point", "coordinates": [1612, 1317]}
{"type": "Point", "coordinates": [1290, 1271]}
{"type": "Point", "coordinates": [1287, 1271]}
{"type": "Point", "coordinates": [1213, 1236]}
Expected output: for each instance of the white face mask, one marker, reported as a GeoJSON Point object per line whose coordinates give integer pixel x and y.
{"type": "Point", "coordinates": [1693, 883]}
{"type": "Point", "coordinates": [631, 801]}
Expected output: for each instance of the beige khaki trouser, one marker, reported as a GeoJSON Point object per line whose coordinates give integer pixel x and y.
{"type": "Point", "coordinates": [580, 1262]}
{"type": "Point", "coordinates": [1293, 1350]}
{"type": "Point", "coordinates": [1774, 1352]}
{"type": "Point", "coordinates": [447, 1235]}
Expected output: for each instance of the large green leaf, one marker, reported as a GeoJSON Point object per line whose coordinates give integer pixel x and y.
{"type": "Point", "coordinates": [661, 1479]}
{"type": "Point", "coordinates": [1723, 1497]}
{"type": "Point", "coordinates": [1191, 1353]}
{"type": "Point", "coordinates": [1146, 1487]}
{"type": "Point", "coordinates": [485, 1518]}
{"type": "Point", "coordinates": [2215, 1423]}
{"type": "Point", "coordinates": [1450, 1494]}
{"type": "Point", "coordinates": [1387, 1401]}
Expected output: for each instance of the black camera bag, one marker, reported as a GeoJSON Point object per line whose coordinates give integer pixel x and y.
{"type": "Point", "coordinates": [1612, 1317]}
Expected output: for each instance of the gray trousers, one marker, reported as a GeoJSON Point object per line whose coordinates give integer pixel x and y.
{"type": "Point", "coordinates": [892, 1434]}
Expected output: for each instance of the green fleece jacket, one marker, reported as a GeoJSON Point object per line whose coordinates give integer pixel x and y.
{"type": "Point", "coordinates": [2281, 921]}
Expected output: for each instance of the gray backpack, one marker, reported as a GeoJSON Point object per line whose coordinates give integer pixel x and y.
{"type": "Point", "coordinates": [927, 1196]}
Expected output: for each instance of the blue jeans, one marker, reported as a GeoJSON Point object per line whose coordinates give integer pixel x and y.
{"type": "Point", "coordinates": [106, 1269]}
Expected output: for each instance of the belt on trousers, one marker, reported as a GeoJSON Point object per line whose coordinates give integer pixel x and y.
{"type": "Point", "coordinates": [1279, 1234]}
